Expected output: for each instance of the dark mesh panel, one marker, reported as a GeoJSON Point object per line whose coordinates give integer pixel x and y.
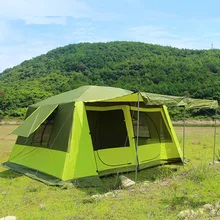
{"type": "Point", "coordinates": [62, 127]}
{"type": "Point", "coordinates": [144, 132]}
{"type": "Point", "coordinates": [42, 134]}
{"type": "Point", "coordinates": [30, 111]}
{"type": "Point", "coordinates": [26, 140]}
{"type": "Point", "coordinates": [151, 127]}
{"type": "Point", "coordinates": [54, 132]}
{"type": "Point", "coordinates": [107, 129]}
{"type": "Point", "coordinates": [160, 125]}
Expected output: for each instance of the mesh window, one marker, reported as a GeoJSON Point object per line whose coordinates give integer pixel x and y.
{"type": "Point", "coordinates": [107, 129]}
{"type": "Point", "coordinates": [144, 133]}
{"type": "Point", "coordinates": [54, 132]}
{"type": "Point", "coordinates": [152, 127]}
{"type": "Point", "coordinates": [42, 134]}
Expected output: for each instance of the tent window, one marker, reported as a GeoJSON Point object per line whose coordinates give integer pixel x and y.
{"type": "Point", "coordinates": [42, 134]}
{"type": "Point", "coordinates": [107, 129]}
{"type": "Point", "coordinates": [54, 133]}
{"type": "Point", "coordinates": [144, 133]}
{"type": "Point", "coordinates": [152, 127]}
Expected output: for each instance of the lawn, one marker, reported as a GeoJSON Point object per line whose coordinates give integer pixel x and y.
{"type": "Point", "coordinates": [160, 192]}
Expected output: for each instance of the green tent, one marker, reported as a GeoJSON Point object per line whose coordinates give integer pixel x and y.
{"type": "Point", "coordinates": [92, 131]}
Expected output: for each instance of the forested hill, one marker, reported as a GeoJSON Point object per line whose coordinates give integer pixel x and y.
{"type": "Point", "coordinates": [129, 65]}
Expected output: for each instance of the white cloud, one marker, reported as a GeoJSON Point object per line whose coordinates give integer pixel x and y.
{"type": "Point", "coordinates": [44, 11]}
{"type": "Point", "coordinates": [106, 16]}
{"type": "Point", "coordinates": [150, 33]}
{"type": "Point", "coordinates": [147, 31]}
{"type": "Point", "coordinates": [163, 36]}
{"type": "Point", "coordinates": [41, 8]}
{"type": "Point", "coordinates": [4, 30]}
{"type": "Point", "coordinates": [85, 32]}
{"type": "Point", "coordinates": [45, 20]}
{"type": "Point", "coordinates": [48, 11]}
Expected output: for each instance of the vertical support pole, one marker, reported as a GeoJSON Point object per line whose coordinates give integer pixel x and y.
{"type": "Point", "coordinates": [184, 132]}
{"type": "Point", "coordinates": [137, 137]}
{"type": "Point", "coordinates": [215, 129]}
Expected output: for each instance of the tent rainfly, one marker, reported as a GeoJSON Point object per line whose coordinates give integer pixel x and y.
{"type": "Point", "coordinates": [92, 131]}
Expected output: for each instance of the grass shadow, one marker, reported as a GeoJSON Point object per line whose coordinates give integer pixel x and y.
{"type": "Point", "coordinates": [178, 202]}
{"type": "Point", "coordinates": [112, 182]}
{"type": "Point", "coordinates": [9, 174]}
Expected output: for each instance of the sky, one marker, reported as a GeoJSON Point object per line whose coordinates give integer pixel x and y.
{"type": "Point", "coordinates": [29, 28]}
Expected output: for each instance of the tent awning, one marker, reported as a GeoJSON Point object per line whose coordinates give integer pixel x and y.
{"type": "Point", "coordinates": [32, 122]}
{"type": "Point", "coordinates": [158, 99]}
{"type": "Point", "coordinates": [107, 94]}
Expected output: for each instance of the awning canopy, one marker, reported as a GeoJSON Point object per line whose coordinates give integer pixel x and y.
{"type": "Point", "coordinates": [158, 99]}
{"type": "Point", "coordinates": [107, 94]}
{"type": "Point", "coordinates": [32, 122]}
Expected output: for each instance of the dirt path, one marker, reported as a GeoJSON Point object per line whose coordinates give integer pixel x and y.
{"type": "Point", "coordinates": [190, 122]}
{"type": "Point", "coordinates": [198, 122]}
{"type": "Point", "coordinates": [10, 122]}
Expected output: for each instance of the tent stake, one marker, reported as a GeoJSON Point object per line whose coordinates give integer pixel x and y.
{"type": "Point", "coordinates": [215, 128]}
{"type": "Point", "coordinates": [137, 137]}
{"type": "Point", "coordinates": [184, 132]}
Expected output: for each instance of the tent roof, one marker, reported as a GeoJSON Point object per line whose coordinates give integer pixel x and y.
{"type": "Point", "coordinates": [105, 94]}
{"type": "Point", "coordinates": [85, 94]}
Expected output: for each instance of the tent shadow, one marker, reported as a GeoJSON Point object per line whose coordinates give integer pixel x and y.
{"type": "Point", "coordinates": [9, 174]}
{"type": "Point", "coordinates": [156, 173]}
{"type": "Point", "coordinates": [112, 182]}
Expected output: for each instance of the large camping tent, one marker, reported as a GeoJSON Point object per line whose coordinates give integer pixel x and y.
{"type": "Point", "coordinates": [91, 131]}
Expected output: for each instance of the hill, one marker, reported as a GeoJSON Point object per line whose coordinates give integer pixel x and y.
{"type": "Point", "coordinates": [129, 65]}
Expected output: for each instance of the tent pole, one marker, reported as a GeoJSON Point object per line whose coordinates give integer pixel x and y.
{"type": "Point", "coordinates": [184, 132]}
{"type": "Point", "coordinates": [215, 129]}
{"type": "Point", "coordinates": [137, 137]}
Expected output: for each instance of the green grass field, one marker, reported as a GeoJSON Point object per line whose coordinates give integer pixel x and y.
{"type": "Point", "coordinates": [160, 192]}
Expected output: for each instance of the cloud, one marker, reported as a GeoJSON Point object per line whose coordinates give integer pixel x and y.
{"type": "Point", "coordinates": [41, 8]}
{"type": "Point", "coordinates": [85, 32]}
{"type": "Point", "coordinates": [166, 37]}
{"type": "Point", "coordinates": [44, 11]}
{"type": "Point", "coordinates": [53, 12]}
{"type": "Point", "coordinates": [151, 33]}
{"type": "Point", "coordinates": [4, 31]}
{"type": "Point", "coordinates": [45, 20]}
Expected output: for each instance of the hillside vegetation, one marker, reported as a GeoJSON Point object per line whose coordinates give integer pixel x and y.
{"type": "Point", "coordinates": [129, 65]}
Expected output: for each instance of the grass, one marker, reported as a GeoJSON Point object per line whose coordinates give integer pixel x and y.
{"type": "Point", "coordinates": [160, 193]}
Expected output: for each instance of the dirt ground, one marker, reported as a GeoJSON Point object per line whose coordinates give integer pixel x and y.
{"type": "Point", "coordinates": [198, 122]}
{"type": "Point", "coordinates": [189, 122]}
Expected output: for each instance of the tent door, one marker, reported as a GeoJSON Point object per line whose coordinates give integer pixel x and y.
{"type": "Point", "coordinates": [111, 142]}
{"type": "Point", "coordinates": [153, 133]}
{"type": "Point", "coordinates": [149, 138]}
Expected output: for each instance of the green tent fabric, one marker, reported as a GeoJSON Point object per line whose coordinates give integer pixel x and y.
{"type": "Point", "coordinates": [85, 94]}
{"type": "Point", "coordinates": [34, 120]}
{"type": "Point", "coordinates": [201, 103]}
{"type": "Point", "coordinates": [158, 99]}
{"type": "Point", "coordinates": [89, 132]}
{"type": "Point", "coordinates": [102, 93]}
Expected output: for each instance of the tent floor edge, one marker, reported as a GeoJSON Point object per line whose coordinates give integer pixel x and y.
{"type": "Point", "coordinates": [34, 174]}
{"type": "Point", "coordinates": [161, 162]}
{"type": "Point", "coordinates": [89, 181]}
